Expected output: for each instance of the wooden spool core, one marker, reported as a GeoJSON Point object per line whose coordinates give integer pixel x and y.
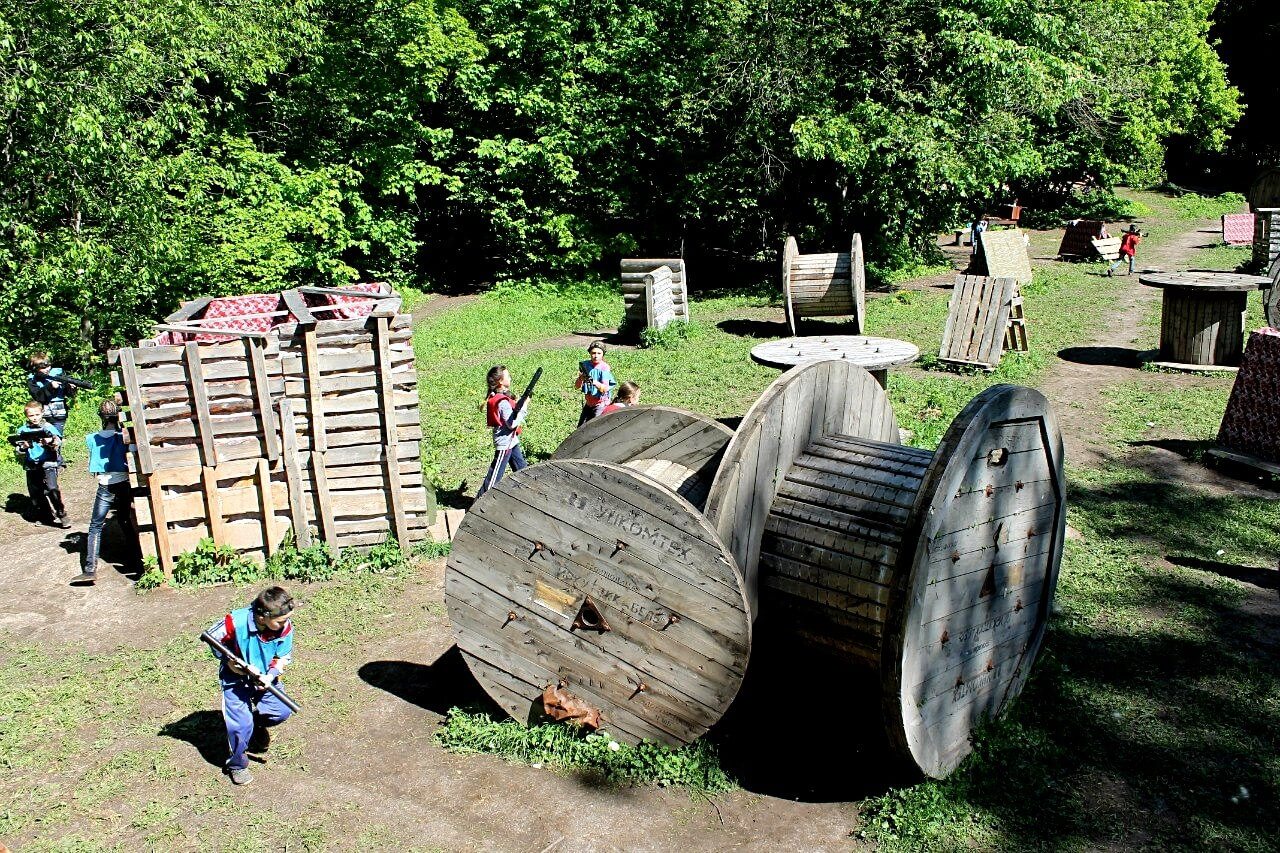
{"type": "Point", "coordinates": [597, 544]}
{"type": "Point", "coordinates": [936, 570]}
{"type": "Point", "coordinates": [679, 449]}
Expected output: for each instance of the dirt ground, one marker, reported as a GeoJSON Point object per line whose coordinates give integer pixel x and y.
{"type": "Point", "coordinates": [386, 770]}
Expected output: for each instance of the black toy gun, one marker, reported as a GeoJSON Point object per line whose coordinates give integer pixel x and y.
{"type": "Point", "coordinates": [270, 686]}
{"type": "Point", "coordinates": [31, 435]}
{"type": "Point", "coordinates": [71, 380]}
{"type": "Point", "coordinates": [524, 398]}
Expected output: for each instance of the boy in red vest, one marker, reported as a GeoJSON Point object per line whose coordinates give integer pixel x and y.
{"type": "Point", "coordinates": [500, 415]}
{"type": "Point", "coordinates": [262, 635]}
{"type": "Point", "coordinates": [1129, 241]}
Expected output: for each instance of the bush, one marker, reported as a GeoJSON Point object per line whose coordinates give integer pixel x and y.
{"type": "Point", "coordinates": [671, 336]}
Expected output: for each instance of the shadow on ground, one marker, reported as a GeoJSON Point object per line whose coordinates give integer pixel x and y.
{"type": "Point", "coordinates": [437, 687]}
{"type": "Point", "coordinates": [1103, 356]}
{"type": "Point", "coordinates": [763, 329]}
{"type": "Point", "coordinates": [1263, 578]}
{"type": "Point", "coordinates": [205, 731]}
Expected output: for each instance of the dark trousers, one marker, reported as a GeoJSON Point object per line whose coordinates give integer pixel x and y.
{"type": "Point", "coordinates": [515, 460]}
{"type": "Point", "coordinates": [42, 488]}
{"type": "Point", "coordinates": [116, 496]}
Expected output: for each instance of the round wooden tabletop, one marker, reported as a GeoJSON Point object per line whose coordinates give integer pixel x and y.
{"type": "Point", "coordinates": [866, 352]}
{"type": "Point", "coordinates": [1204, 280]}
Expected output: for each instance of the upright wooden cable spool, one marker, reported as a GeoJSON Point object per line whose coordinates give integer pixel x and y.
{"type": "Point", "coordinates": [936, 570]}
{"type": "Point", "coordinates": [824, 285]}
{"type": "Point", "coordinates": [592, 573]}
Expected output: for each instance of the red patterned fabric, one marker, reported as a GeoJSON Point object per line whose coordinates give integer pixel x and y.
{"type": "Point", "coordinates": [353, 306]}
{"type": "Point", "coordinates": [1251, 424]}
{"type": "Point", "coordinates": [1237, 229]}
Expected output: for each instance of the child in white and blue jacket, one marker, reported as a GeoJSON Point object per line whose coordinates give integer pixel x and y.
{"type": "Point", "coordinates": [261, 634]}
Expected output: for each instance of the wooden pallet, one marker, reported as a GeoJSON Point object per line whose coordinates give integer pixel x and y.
{"type": "Point", "coordinates": [977, 321]}
{"type": "Point", "coordinates": [1108, 249]}
{"type": "Point", "coordinates": [1015, 334]}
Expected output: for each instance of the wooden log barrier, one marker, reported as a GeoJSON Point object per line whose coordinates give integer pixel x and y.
{"type": "Point", "coordinates": [936, 570]}
{"type": "Point", "coordinates": [593, 578]}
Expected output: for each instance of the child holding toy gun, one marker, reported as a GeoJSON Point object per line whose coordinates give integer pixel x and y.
{"type": "Point", "coordinates": [595, 381]}
{"type": "Point", "coordinates": [37, 445]}
{"type": "Point", "coordinates": [52, 388]}
{"type": "Point", "coordinates": [506, 423]}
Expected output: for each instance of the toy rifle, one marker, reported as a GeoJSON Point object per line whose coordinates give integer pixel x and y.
{"type": "Point", "coordinates": [270, 686]}
{"type": "Point", "coordinates": [511, 421]}
{"type": "Point", "coordinates": [31, 435]}
{"type": "Point", "coordinates": [71, 380]}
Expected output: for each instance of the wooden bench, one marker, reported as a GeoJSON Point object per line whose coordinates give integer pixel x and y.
{"type": "Point", "coordinates": [670, 295]}
{"type": "Point", "coordinates": [824, 285]}
{"type": "Point", "coordinates": [978, 321]}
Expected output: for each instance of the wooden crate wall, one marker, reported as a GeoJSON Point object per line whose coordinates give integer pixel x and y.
{"type": "Point", "coordinates": [313, 425]}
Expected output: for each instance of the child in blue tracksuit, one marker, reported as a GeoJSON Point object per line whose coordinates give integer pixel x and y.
{"type": "Point", "coordinates": [107, 463]}
{"type": "Point", "coordinates": [42, 458]}
{"type": "Point", "coordinates": [262, 635]}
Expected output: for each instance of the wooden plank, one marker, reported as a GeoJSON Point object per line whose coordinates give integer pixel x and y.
{"type": "Point", "coordinates": [213, 505]}
{"type": "Point", "coordinates": [320, 487]}
{"type": "Point", "coordinates": [315, 401]}
{"type": "Point", "coordinates": [790, 251]}
{"type": "Point", "coordinates": [137, 410]}
{"type": "Point", "coordinates": [391, 438]}
{"type": "Point", "coordinates": [293, 475]}
{"type": "Point", "coordinates": [189, 310]}
{"type": "Point", "coordinates": [203, 330]}
{"type": "Point", "coordinates": [200, 404]}
{"type": "Point", "coordinates": [258, 374]}
{"type": "Point", "coordinates": [164, 547]}
{"type": "Point", "coordinates": [266, 493]}
{"type": "Point", "coordinates": [298, 307]}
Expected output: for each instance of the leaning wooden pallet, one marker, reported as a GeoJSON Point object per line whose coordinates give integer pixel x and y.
{"type": "Point", "coordinates": [977, 321]}
{"type": "Point", "coordinates": [247, 427]}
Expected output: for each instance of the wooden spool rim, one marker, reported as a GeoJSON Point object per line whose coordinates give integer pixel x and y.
{"type": "Point", "coordinates": [951, 461]}
{"type": "Point", "coordinates": [596, 428]}
{"type": "Point", "coordinates": [566, 654]}
{"type": "Point", "coordinates": [851, 403]}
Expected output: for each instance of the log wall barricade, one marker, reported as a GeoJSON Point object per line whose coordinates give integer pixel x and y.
{"type": "Point", "coordinates": [246, 427]}
{"type": "Point", "coordinates": [670, 298]}
{"type": "Point", "coordinates": [824, 285]}
{"type": "Point", "coordinates": [1266, 236]}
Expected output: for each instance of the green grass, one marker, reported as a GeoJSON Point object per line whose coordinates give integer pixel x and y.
{"type": "Point", "coordinates": [1148, 411]}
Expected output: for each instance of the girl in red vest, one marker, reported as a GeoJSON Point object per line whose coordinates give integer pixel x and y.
{"type": "Point", "coordinates": [500, 415]}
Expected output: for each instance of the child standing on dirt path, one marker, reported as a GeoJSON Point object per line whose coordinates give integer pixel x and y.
{"type": "Point", "coordinates": [628, 395]}
{"type": "Point", "coordinates": [1128, 249]}
{"type": "Point", "coordinates": [501, 416]}
{"type": "Point", "coordinates": [107, 463]}
{"type": "Point", "coordinates": [261, 634]}
{"type": "Point", "coordinates": [41, 457]}
{"type": "Point", "coordinates": [595, 381]}
{"type": "Point", "coordinates": [46, 386]}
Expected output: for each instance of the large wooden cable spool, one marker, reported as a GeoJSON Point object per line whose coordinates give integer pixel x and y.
{"type": "Point", "coordinates": [935, 570]}
{"type": "Point", "coordinates": [679, 449]}
{"type": "Point", "coordinates": [824, 285]}
{"type": "Point", "coordinates": [598, 580]}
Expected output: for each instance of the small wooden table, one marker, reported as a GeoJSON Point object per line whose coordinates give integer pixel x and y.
{"type": "Point", "coordinates": [1202, 319]}
{"type": "Point", "coordinates": [875, 355]}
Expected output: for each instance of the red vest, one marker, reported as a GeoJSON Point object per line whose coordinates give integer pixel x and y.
{"type": "Point", "coordinates": [491, 409]}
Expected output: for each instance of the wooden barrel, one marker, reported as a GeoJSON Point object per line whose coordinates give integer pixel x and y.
{"type": "Point", "coordinates": [824, 285]}
{"type": "Point", "coordinates": [935, 570]}
{"type": "Point", "coordinates": [597, 581]}
{"type": "Point", "coordinates": [679, 449]}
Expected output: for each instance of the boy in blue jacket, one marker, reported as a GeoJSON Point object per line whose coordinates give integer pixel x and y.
{"type": "Point", "coordinates": [41, 457]}
{"type": "Point", "coordinates": [262, 635]}
{"type": "Point", "coordinates": [107, 463]}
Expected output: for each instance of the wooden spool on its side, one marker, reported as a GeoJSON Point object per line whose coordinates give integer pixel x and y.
{"type": "Point", "coordinates": [679, 449]}
{"type": "Point", "coordinates": [824, 285]}
{"type": "Point", "coordinates": [595, 578]}
{"type": "Point", "coordinates": [936, 570]}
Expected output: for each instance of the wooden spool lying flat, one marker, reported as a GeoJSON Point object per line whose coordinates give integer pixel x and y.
{"type": "Point", "coordinates": [936, 570]}
{"type": "Point", "coordinates": [582, 541]}
{"type": "Point", "coordinates": [679, 449]}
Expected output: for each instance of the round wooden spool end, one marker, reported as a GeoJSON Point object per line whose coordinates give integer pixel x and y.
{"type": "Point", "coordinates": [679, 449]}
{"type": "Point", "coordinates": [988, 524]}
{"type": "Point", "coordinates": [591, 577]}
{"type": "Point", "coordinates": [820, 398]}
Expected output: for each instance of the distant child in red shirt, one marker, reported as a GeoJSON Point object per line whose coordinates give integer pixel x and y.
{"type": "Point", "coordinates": [628, 395]}
{"type": "Point", "coordinates": [1129, 241]}
{"type": "Point", "coordinates": [595, 381]}
{"type": "Point", "coordinates": [500, 414]}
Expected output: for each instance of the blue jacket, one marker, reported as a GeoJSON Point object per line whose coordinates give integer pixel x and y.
{"type": "Point", "coordinates": [270, 654]}
{"type": "Point", "coordinates": [37, 454]}
{"type": "Point", "coordinates": [106, 452]}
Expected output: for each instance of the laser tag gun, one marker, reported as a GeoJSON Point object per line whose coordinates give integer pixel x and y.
{"type": "Point", "coordinates": [70, 380]}
{"type": "Point", "coordinates": [511, 421]}
{"type": "Point", "coordinates": [270, 686]}
{"type": "Point", "coordinates": [31, 435]}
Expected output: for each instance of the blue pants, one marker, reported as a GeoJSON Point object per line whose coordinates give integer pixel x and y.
{"type": "Point", "coordinates": [242, 706]}
{"type": "Point", "coordinates": [1120, 262]}
{"type": "Point", "coordinates": [119, 497]}
{"type": "Point", "coordinates": [516, 461]}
